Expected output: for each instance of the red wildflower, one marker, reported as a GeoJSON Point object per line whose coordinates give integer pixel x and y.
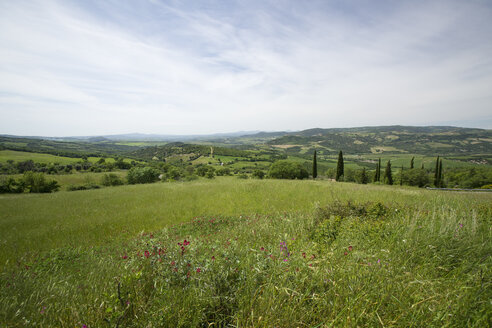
{"type": "Point", "coordinates": [304, 255]}
{"type": "Point", "coordinates": [198, 270]}
{"type": "Point", "coordinates": [147, 254]}
{"type": "Point", "coordinates": [262, 249]}
{"type": "Point", "coordinates": [213, 258]}
{"type": "Point", "coordinates": [345, 253]}
{"type": "Point", "coordinates": [350, 248]}
{"type": "Point", "coordinates": [124, 257]}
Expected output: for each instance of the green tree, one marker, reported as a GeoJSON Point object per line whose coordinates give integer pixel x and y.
{"type": "Point", "coordinates": [364, 179]}
{"type": "Point", "coordinates": [416, 177]}
{"type": "Point", "coordinates": [401, 174]}
{"type": "Point", "coordinates": [439, 177]}
{"type": "Point", "coordinates": [411, 162]}
{"type": "Point", "coordinates": [388, 176]}
{"type": "Point", "coordinates": [259, 174]}
{"type": "Point", "coordinates": [142, 175]}
{"type": "Point", "coordinates": [111, 179]}
{"type": "Point", "coordinates": [284, 169]}
{"type": "Point", "coordinates": [376, 173]}
{"type": "Point", "coordinates": [436, 173]}
{"type": "Point", "coordinates": [340, 170]}
{"type": "Point", "coordinates": [36, 182]}
{"type": "Point", "coordinates": [315, 166]}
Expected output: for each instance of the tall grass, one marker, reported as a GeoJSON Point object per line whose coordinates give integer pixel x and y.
{"type": "Point", "coordinates": [260, 254]}
{"type": "Point", "coordinates": [37, 222]}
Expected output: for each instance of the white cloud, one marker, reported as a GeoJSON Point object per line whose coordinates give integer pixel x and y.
{"type": "Point", "coordinates": [161, 68]}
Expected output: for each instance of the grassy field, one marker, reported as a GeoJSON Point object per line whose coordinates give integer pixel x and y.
{"type": "Point", "coordinates": [79, 178]}
{"type": "Point", "coordinates": [19, 156]}
{"type": "Point", "coordinates": [252, 253]}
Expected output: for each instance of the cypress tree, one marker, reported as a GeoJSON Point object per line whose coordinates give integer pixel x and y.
{"type": "Point", "coordinates": [422, 165]}
{"type": "Point", "coordinates": [376, 173]}
{"type": "Point", "coordinates": [315, 166]}
{"type": "Point", "coordinates": [363, 176]}
{"type": "Point", "coordinates": [436, 173]}
{"type": "Point", "coordinates": [388, 177]}
{"type": "Point", "coordinates": [411, 162]}
{"type": "Point", "coordinates": [401, 174]}
{"type": "Point", "coordinates": [339, 166]}
{"type": "Point", "coordinates": [379, 169]}
{"type": "Point", "coordinates": [439, 178]}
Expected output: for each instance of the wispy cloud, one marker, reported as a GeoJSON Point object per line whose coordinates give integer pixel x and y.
{"type": "Point", "coordinates": [69, 68]}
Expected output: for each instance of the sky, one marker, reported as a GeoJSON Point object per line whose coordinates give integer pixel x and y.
{"type": "Point", "coordinates": [78, 68]}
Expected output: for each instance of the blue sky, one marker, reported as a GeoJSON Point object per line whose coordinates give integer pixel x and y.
{"type": "Point", "coordinates": [194, 67]}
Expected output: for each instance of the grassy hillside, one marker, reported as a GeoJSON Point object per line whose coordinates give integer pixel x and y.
{"type": "Point", "coordinates": [251, 253]}
{"type": "Point", "coordinates": [65, 148]}
{"type": "Point", "coordinates": [390, 139]}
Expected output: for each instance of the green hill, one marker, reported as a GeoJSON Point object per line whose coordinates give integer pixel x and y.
{"type": "Point", "coordinates": [391, 139]}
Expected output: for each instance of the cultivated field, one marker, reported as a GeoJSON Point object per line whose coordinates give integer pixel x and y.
{"type": "Point", "coordinates": [247, 253]}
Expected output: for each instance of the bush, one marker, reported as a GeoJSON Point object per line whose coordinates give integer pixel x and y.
{"type": "Point", "coordinates": [37, 183]}
{"type": "Point", "coordinates": [173, 174]}
{"type": "Point", "coordinates": [259, 174]}
{"type": "Point", "coordinates": [10, 185]}
{"type": "Point", "coordinates": [242, 176]}
{"type": "Point", "coordinates": [416, 177]}
{"type": "Point", "coordinates": [87, 186]}
{"type": "Point", "coordinates": [204, 169]}
{"type": "Point", "coordinates": [111, 179]}
{"type": "Point", "coordinates": [223, 171]}
{"type": "Point", "coordinates": [210, 174]}
{"type": "Point", "coordinates": [142, 175]}
{"type": "Point", "coordinates": [287, 170]}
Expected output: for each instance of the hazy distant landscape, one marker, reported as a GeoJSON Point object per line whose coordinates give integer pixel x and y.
{"type": "Point", "coordinates": [260, 163]}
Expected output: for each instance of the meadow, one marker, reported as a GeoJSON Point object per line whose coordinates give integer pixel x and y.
{"type": "Point", "coordinates": [246, 253]}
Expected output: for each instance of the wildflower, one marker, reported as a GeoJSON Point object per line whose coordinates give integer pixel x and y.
{"type": "Point", "coordinates": [124, 257]}
{"type": "Point", "coordinates": [285, 260]}
{"type": "Point", "coordinates": [198, 270]}
{"type": "Point", "coordinates": [345, 253]}
{"type": "Point", "coordinates": [173, 263]}
{"type": "Point", "coordinates": [147, 254]}
{"type": "Point", "coordinates": [350, 248]}
{"type": "Point", "coordinates": [213, 258]}
{"type": "Point", "coordinates": [262, 249]}
{"type": "Point", "coordinates": [379, 261]}
{"type": "Point", "coordinates": [42, 310]}
{"type": "Point", "coordinates": [304, 255]}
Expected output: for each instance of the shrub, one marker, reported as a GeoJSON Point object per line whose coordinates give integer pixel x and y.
{"type": "Point", "coordinates": [202, 170]}
{"type": "Point", "coordinates": [142, 175]}
{"type": "Point", "coordinates": [284, 169]}
{"type": "Point", "coordinates": [223, 171]}
{"type": "Point", "coordinates": [86, 186]}
{"type": "Point", "coordinates": [259, 174]}
{"type": "Point", "coordinates": [242, 176]}
{"type": "Point", "coordinates": [10, 185]}
{"type": "Point", "coordinates": [111, 179]}
{"type": "Point", "coordinates": [37, 183]}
